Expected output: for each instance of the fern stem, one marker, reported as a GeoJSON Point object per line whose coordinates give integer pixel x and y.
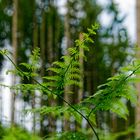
{"type": "Point", "coordinates": [91, 112]}
{"type": "Point", "coordinates": [125, 78]}
{"type": "Point", "coordinates": [60, 97]}
{"type": "Point", "coordinates": [88, 121]}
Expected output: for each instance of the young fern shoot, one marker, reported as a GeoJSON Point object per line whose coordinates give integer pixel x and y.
{"type": "Point", "coordinates": [66, 71]}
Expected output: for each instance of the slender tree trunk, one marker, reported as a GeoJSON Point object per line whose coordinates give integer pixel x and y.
{"type": "Point", "coordinates": [81, 89]}
{"type": "Point", "coordinates": [35, 44]}
{"type": "Point", "coordinates": [51, 100]}
{"type": "Point", "coordinates": [67, 96]}
{"type": "Point", "coordinates": [113, 115]}
{"type": "Point", "coordinates": [50, 49]}
{"type": "Point", "coordinates": [14, 45]}
{"type": "Point", "coordinates": [43, 63]}
{"type": "Point", "coordinates": [113, 122]}
{"type": "Point", "coordinates": [137, 119]}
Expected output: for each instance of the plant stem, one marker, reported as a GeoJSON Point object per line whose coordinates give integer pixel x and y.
{"type": "Point", "coordinates": [60, 97]}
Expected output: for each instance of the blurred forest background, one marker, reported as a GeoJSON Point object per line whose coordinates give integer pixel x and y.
{"type": "Point", "coordinates": [28, 24]}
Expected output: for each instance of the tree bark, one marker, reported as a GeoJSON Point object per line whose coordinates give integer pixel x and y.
{"type": "Point", "coordinates": [50, 58]}
{"type": "Point", "coordinates": [137, 118]}
{"type": "Point", "coordinates": [81, 89]}
{"type": "Point", "coordinates": [14, 45]}
{"type": "Point", "coordinates": [35, 44]}
{"type": "Point", "coordinates": [43, 63]}
{"type": "Point", "coordinates": [51, 100]}
{"type": "Point", "coordinates": [67, 96]}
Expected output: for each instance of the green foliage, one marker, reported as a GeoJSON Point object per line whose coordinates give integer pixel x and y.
{"type": "Point", "coordinates": [28, 69]}
{"type": "Point", "coordinates": [32, 66]}
{"type": "Point", "coordinates": [2, 132]}
{"type": "Point", "coordinates": [117, 135]}
{"type": "Point", "coordinates": [103, 60]}
{"type": "Point", "coordinates": [110, 96]}
{"type": "Point", "coordinates": [69, 136]}
{"type": "Point", "coordinates": [16, 133]}
{"type": "Point", "coordinates": [67, 72]}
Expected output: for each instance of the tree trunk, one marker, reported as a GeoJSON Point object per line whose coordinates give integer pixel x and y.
{"type": "Point", "coordinates": [14, 45]}
{"type": "Point", "coordinates": [80, 91]}
{"type": "Point", "coordinates": [35, 44]}
{"type": "Point", "coordinates": [137, 119]}
{"type": "Point", "coordinates": [50, 58]}
{"type": "Point", "coordinates": [43, 63]}
{"type": "Point", "coordinates": [113, 115]}
{"type": "Point", "coordinates": [67, 96]}
{"type": "Point", "coordinates": [51, 100]}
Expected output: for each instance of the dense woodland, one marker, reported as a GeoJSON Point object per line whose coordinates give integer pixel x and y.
{"type": "Point", "coordinates": [76, 78]}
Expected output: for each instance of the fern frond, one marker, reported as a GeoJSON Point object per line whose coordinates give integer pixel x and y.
{"type": "Point", "coordinates": [72, 82]}
{"type": "Point", "coordinates": [67, 71]}
{"type": "Point", "coordinates": [26, 65]}
{"type": "Point", "coordinates": [52, 78]}
{"type": "Point", "coordinates": [55, 70]}
{"type": "Point", "coordinates": [120, 108]}
{"type": "Point", "coordinates": [59, 64]}
{"type": "Point", "coordinates": [111, 94]}
{"type": "Point", "coordinates": [74, 76]}
{"type": "Point", "coordinates": [75, 70]}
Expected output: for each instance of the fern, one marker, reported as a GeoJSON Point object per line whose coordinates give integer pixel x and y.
{"type": "Point", "coordinates": [27, 70]}
{"type": "Point", "coordinates": [66, 72]}
{"type": "Point", "coordinates": [111, 95]}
